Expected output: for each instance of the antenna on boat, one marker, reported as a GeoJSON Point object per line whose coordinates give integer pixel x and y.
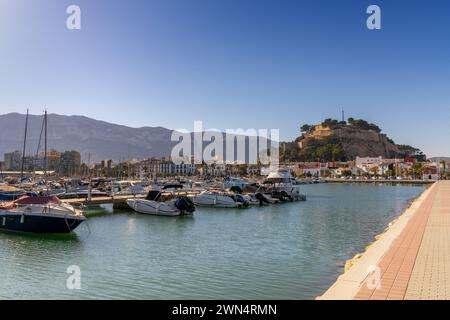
{"type": "Point", "coordinates": [24, 147]}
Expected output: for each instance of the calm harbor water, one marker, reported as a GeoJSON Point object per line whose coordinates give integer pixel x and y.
{"type": "Point", "coordinates": [289, 251]}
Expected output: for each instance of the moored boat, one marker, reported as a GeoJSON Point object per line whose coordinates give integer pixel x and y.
{"type": "Point", "coordinates": [39, 215]}
{"type": "Point", "coordinates": [220, 199]}
{"type": "Point", "coordinates": [283, 186]}
{"type": "Point", "coordinates": [163, 203]}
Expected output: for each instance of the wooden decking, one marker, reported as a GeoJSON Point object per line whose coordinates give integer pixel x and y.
{"type": "Point", "coordinates": [95, 201]}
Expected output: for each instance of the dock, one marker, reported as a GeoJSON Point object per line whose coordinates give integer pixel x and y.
{"type": "Point", "coordinates": [118, 202]}
{"type": "Point", "coordinates": [410, 261]}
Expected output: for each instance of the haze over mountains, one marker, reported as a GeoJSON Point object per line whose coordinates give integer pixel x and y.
{"type": "Point", "coordinates": [102, 140]}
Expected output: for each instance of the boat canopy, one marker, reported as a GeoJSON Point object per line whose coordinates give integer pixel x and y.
{"type": "Point", "coordinates": [37, 200]}
{"type": "Point", "coordinates": [25, 200]}
{"type": "Point", "coordinates": [280, 174]}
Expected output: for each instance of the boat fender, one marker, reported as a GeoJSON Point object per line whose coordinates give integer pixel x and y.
{"type": "Point", "coordinates": [4, 221]}
{"type": "Point", "coordinates": [22, 218]}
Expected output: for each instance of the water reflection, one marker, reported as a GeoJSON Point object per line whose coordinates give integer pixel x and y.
{"type": "Point", "coordinates": [290, 251]}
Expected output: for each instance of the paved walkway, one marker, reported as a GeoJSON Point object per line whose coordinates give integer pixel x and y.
{"type": "Point", "coordinates": [417, 264]}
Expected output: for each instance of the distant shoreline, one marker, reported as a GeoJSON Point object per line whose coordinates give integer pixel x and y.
{"type": "Point", "coordinates": [379, 181]}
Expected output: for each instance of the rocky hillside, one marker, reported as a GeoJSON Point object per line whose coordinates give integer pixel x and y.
{"type": "Point", "coordinates": [341, 141]}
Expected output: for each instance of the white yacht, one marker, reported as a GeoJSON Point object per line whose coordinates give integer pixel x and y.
{"type": "Point", "coordinates": [282, 185]}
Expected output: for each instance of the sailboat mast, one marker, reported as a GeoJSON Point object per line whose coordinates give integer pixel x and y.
{"type": "Point", "coordinates": [38, 148]}
{"type": "Point", "coordinates": [24, 147]}
{"type": "Point", "coordinates": [45, 144]}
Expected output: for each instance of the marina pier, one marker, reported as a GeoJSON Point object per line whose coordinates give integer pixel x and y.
{"type": "Point", "coordinates": [118, 202]}
{"type": "Point", "coordinates": [410, 261]}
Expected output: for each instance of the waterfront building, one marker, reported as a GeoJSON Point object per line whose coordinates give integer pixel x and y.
{"type": "Point", "coordinates": [185, 169]}
{"type": "Point", "coordinates": [70, 163]}
{"type": "Point", "coordinates": [166, 167]}
{"type": "Point", "coordinates": [151, 167]}
{"type": "Point", "coordinates": [369, 164]}
{"type": "Point", "coordinates": [430, 172]}
{"type": "Point", "coordinates": [53, 161]}
{"type": "Point", "coordinates": [343, 171]}
{"type": "Point", "coordinates": [13, 160]}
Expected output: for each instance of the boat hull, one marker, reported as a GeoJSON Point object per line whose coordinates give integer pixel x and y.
{"type": "Point", "coordinates": [31, 223]}
{"type": "Point", "coordinates": [153, 208]}
{"type": "Point", "coordinates": [216, 201]}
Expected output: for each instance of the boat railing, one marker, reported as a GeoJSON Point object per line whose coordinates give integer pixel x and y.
{"type": "Point", "coordinates": [45, 207]}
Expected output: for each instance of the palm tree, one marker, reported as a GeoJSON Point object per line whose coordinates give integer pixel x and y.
{"type": "Point", "coordinates": [374, 170]}
{"type": "Point", "coordinates": [444, 166]}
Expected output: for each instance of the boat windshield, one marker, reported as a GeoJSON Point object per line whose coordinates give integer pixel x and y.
{"type": "Point", "coordinates": [279, 180]}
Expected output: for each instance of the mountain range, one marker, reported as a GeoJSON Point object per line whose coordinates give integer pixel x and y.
{"type": "Point", "coordinates": [99, 139]}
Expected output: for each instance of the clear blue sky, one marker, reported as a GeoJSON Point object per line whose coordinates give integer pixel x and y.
{"type": "Point", "coordinates": [233, 63]}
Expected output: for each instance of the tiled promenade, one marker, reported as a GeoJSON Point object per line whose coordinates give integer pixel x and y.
{"type": "Point", "coordinates": [417, 265]}
{"type": "Point", "coordinates": [415, 256]}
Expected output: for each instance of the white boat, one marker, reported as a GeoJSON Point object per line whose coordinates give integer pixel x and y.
{"type": "Point", "coordinates": [283, 186]}
{"type": "Point", "coordinates": [125, 187]}
{"type": "Point", "coordinates": [232, 182]}
{"type": "Point", "coordinates": [162, 203]}
{"type": "Point", "coordinates": [39, 215]}
{"type": "Point", "coordinates": [251, 199]}
{"type": "Point", "coordinates": [220, 199]}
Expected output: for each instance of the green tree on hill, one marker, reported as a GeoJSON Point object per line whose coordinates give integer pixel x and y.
{"type": "Point", "coordinates": [306, 128]}
{"type": "Point", "coordinates": [330, 123]}
{"type": "Point", "coordinates": [363, 125]}
{"type": "Point", "coordinates": [325, 149]}
{"type": "Point", "coordinates": [409, 151]}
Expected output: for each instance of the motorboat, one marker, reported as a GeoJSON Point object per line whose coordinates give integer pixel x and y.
{"type": "Point", "coordinates": [163, 202]}
{"type": "Point", "coordinates": [46, 214]}
{"type": "Point", "coordinates": [280, 184]}
{"type": "Point", "coordinates": [220, 199]}
{"type": "Point", "coordinates": [10, 193]}
{"type": "Point", "coordinates": [119, 188]}
{"type": "Point", "coordinates": [233, 182]}
{"type": "Point", "coordinates": [252, 198]}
